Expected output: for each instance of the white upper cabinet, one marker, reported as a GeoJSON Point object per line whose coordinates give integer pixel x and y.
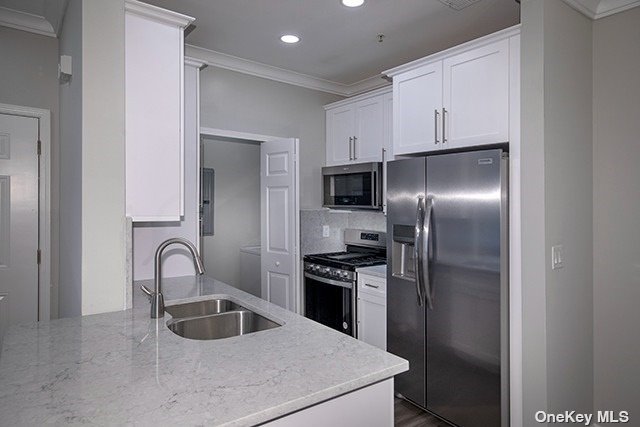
{"type": "Point", "coordinates": [417, 104]}
{"type": "Point", "coordinates": [341, 128]}
{"type": "Point", "coordinates": [369, 136]}
{"type": "Point", "coordinates": [476, 96]}
{"type": "Point", "coordinates": [356, 129]}
{"type": "Point", "coordinates": [154, 78]}
{"type": "Point", "coordinates": [453, 99]}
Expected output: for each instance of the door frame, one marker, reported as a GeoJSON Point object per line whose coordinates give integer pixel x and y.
{"type": "Point", "coordinates": [44, 201]}
{"type": "Point", "coordinates": [223, 133]}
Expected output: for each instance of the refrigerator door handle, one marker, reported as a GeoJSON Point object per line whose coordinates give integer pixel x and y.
{"type": "Point", "coordinates": [418, 251]}
{"type": "Point", "coordinates": [425, 253]}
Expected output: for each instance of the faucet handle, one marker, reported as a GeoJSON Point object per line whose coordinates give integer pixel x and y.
{"type": "Point", "coordinates": [147, 291]}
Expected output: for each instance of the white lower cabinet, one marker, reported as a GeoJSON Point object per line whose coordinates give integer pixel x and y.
{"type": "Point", "coordinates": [370, 406]}
{"type": "Point", "coordinates": [372, 310]}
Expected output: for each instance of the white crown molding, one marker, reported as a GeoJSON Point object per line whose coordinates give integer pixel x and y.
{"type": "Point", "coordinates": [193, 62]}
{"type": "Point", "coordinates": [360, 97]}
{"type": "Point", "coordinates": [157, 13]}
{"type": "Point", "coordinates": [26, 22]}
{"type": "Point", "coordinates": [596, 9]}
{"type": "Point", "coordinates": [245, 66]}
{"type": "Point", "coordinates": [484, 40]}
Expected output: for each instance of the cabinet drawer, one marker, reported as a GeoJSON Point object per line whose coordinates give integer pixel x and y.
{"type": "Point", "coordinates": [372, 284]}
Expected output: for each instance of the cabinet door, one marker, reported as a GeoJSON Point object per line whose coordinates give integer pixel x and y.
{"type": "Point", "coordinates": [372, 320]}
{"type": "Point", "coordinates": [340, 128]}
{"type": "Point", "coordinates": [476, 96]}
{"type": "Point", "coordinates": [417, 100]}
{"type": "Point", "coordinates": [369, 130]}
{"type": "Point", "coordinates": [154, 119]}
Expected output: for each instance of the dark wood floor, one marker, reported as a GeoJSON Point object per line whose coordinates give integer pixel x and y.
{"type": "Point", "coordinates": [407, 415]}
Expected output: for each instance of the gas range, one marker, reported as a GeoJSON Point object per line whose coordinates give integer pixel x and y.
{"type": "Point", "coordinates": [364, 249]}
{"type": "Point", "coordinates": [330, 279]}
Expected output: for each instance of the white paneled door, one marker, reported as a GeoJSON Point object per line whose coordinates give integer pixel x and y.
{"type": "Point", "coordinates": [18, 219]}
{"type": "Point", "coordinates": [279, 200]}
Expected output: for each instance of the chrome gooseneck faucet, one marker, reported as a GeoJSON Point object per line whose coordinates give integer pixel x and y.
{"type": "Point", "coordinates": [156, 297]}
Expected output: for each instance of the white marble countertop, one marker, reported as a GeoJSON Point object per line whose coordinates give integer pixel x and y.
{"type": "Point", "coordinates": [374, 270]}
{"type": "Point", "coordinates": [125, 368]}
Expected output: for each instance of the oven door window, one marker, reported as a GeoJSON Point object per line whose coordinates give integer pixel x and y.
{"type": "Point", "coordinates": [354, 189]}
{"type": "Point", "coordinates": [330, 305]}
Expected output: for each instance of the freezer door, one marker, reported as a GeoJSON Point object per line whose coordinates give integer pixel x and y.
{"type": "Point", "coordinates": [405, 317]}
{"type": "Point", "coordinates": [464, 325]}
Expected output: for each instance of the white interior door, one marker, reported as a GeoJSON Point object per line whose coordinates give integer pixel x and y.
{"type": "Point", "coordinates": [279, 201]}
{"type": "Point", "coordinates": [18, 219]}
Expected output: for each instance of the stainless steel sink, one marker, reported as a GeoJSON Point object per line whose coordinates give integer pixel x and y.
{"type": "Point", "coordinates": [217, 326]}
{"type": "Point", "coordinates": [202, 308]}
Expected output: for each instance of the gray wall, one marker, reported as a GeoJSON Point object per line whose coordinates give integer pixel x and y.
{"type": "Point", "coordinates": [616, 211]}
{"type": "Point", "coordinates": [236, 207]}
{"type": "Point", "coordinates": [29, 70]}
{"type": "Point", "coordinates": [70, 300]}
{"type": "Point", "coordinates": [239, 102]}
{"type": "Point", "coordinates": [92, 226]}
{"type": "Point", "coordinates": [103, 157]}
{"type": "Point", "coordinates": [568, 205]}
{"type": "Point", "coordinates": [557, 181]}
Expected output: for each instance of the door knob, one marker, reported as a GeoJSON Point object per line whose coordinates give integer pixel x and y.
{"type": "Point", "coordinates": [277, 263]}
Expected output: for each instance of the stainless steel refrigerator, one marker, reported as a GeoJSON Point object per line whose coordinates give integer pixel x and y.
{"type": "Point", "coordinates": [447, 284]}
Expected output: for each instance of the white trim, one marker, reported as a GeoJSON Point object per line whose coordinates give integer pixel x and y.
{"type": "Point", "coordinates": [44, 131]}
{"type": "Point", "coordinates": [222, 133]}
{"type": "Point", "coordinates": [26, 22]}
{"type": "Point", "coordinates": [253, 68]}
{"type": "Point", "coordinates": [189, 62]}
{"type": "Point", "coordinates": [155, 218]}
{"type": "Point", "coordinates": [515, 238]}
{"type": "Point", "coordinates": [367, 95]}
{"type": "Point", "coordinates": [490, 38]}
{"type": "Point", "coordinates": [596, 9]}
{"type": "Point", "coordinates": [157, 13]}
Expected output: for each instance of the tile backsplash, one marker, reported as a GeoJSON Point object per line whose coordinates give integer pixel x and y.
{"type": "Point", "coordinates": [311, 222]}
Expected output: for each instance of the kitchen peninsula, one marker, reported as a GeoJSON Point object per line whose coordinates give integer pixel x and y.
{"type": "Point", "coordinates": [123, 367]}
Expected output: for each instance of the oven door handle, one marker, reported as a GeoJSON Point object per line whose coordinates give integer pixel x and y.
{"type": "Point", "coordinates": [347, 285]}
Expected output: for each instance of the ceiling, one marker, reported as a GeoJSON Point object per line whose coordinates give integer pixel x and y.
{"type": "Point", "coordinates": [338, 44]}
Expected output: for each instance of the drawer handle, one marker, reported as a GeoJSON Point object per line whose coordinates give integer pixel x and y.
{"type": "Point", "coordinates": [372, 286]}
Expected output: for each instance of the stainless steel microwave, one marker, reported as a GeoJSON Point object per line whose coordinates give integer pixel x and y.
{"type": "Point", "coordinates": [357, 186]}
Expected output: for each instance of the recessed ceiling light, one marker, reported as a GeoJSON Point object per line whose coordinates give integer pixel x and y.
{"type": "Point", "coordinates": [290, 38]}
{"type": "Point", "coordinates": [353, 3]}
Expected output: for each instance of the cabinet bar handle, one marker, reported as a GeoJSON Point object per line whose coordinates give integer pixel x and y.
{"type": "Point", "coordinates": [350, 141]}
{"type": "Point", "coordinates": [444, 125]}
{"type": "Point", "coordinates": [355, 156]}
{"type": "Point", "coordinates": [372, 286]}
{"type": "Point", "coordinates": [435, 126]}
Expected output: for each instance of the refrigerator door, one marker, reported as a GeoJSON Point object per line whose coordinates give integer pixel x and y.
{"type": "Point", "coordinates": [464, 325]}
{"type": "Point", "coordinates": [406, 333]}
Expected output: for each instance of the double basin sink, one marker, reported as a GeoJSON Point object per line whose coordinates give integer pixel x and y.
{"type": "Point", "coordinates": [215, 319]}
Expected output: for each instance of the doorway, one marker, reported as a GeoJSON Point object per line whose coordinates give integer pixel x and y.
{"type": "Point", "coordinates": [24, 215]}
{"type": "Point", "coordinates": [250, 214]}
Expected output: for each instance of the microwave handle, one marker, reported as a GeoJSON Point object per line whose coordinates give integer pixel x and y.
{"type": "Point", "coordinates": [374, 194]}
